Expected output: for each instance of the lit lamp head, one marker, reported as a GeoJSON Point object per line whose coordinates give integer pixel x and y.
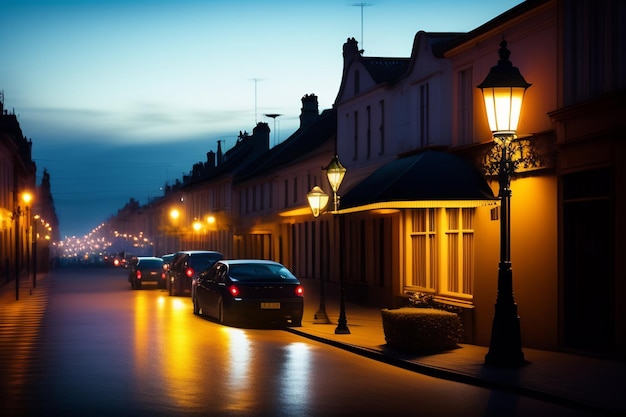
{"type": "Point", "coordinates": [335, 173]}
{"type": "Point", "coordinates": [318, 200]}
{"type": "Point", "coordinates": [27, 198]}
{"type": "Point", "coordinates": [503, 91]}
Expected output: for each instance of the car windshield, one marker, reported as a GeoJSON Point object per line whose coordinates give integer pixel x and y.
{"type": "Point", "coordinates": [150, 263]}
{"type": "Point", "coordinates": [256, 272]}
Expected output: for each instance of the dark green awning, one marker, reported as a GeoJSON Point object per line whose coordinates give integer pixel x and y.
{"type": "Point", "coordinates": [428, 179]}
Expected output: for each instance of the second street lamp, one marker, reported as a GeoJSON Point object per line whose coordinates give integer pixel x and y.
{"type": "Point", "coordinates": [335, 173]}
{"type": "Point", "coordinates": [318, 200]}
{"type": "Point", "coordinates": [503, 92]}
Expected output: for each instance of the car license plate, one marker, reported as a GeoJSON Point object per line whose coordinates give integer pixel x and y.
{"type": "Point", "coordinates": [270, 306]}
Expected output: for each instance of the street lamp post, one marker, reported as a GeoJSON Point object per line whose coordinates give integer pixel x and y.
{"type": "Point", "coordinates": [17, 213]}
{"type": "Point", "coordinates": [37, 220]}
{"type": "Point", "coordinates": [335, 173]}
{"type": "Point", "coordinates": [318, 200]}
{"type": "Point", "coordinates": [503, 92]}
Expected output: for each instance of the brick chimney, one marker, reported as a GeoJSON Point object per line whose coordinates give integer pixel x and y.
{"type": "Point", "coordinates": [309, 111]}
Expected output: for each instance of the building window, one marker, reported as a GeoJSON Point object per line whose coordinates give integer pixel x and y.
{"type": "Point", "coordinates": [295, 190]}
{"type": "Point", "coordinates": [424, 249]}
{"type": "Point", "coordinates": [424, 115]}
{"type": "Point", "coordinates": [441, 242]}
{"type": "Point", "coordinates": [459, 262]}
{"type": "Point", "coordinates": [357, 82]}
{"type": "Point", "coordinates": [465, 102]}
{"type": "Point", "coordinates": [286, 197]}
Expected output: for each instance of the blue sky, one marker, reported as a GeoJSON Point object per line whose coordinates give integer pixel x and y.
{"type": "Point", "coordinates": [121, 96]}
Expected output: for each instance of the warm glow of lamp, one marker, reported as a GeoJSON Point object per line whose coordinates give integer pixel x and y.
{"type": "Point", "coordinates": [503, 92]}
{"type": "Point", "coordinates": [318, 200]}
{"type": "Point", "coordinates": [197, 226]}
{"type": "Point", "coordinates": [210, 220]}
{"type": "Point", "coordinates": [27, 198]}
{"type": "Point", "coordinates": [174, 214]}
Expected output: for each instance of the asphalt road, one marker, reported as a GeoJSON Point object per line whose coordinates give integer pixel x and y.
{"type": "Point", "coordinates": [103, 349]}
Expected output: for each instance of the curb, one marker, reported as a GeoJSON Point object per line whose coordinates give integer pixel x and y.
{"type": "Point", "coordinates": [450, 375]}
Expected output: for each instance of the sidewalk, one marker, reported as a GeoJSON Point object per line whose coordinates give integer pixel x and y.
{"type": "Point", "coordinates": [596, 385]}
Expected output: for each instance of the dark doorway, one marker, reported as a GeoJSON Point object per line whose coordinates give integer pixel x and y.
{"type": "Point", "coordinates": [588, 260]}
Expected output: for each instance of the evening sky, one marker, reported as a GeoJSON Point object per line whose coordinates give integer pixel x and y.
{"type": "Point", "coordinates": [121, 97]}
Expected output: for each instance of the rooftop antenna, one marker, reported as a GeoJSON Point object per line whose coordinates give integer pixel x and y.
{"type": "Point", "coordinates": [274, 116]}
{"type": "Point", "coordinates": [362, 5]}
{"type": "Point", "coordinates": [256, 119]}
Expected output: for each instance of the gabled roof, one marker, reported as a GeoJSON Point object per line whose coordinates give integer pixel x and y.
{"type": "Point", "coordinates": [301, 143]}
{"type": "Point", "coordinates": [427, 179]}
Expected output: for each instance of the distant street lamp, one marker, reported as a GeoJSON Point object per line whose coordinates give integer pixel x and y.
{"type": "Point", "coordinates": [17, 213]}
{"type": "Point", "coordinates": [503, 92]}
{"type": "Point", "coordinates": [37, 220]}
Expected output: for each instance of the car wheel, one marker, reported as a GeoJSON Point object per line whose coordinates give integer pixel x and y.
{"type": "Point", "coordinates": [296, 323]}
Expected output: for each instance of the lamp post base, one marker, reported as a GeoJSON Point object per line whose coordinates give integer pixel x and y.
{"type": "Point", "coordinates": [342, 329]}
{"type": "Point", "coordinates": [342, 323]}
{"type": "Point", "coordinates": [320, 316]}
{"type": "Point", "coordinates": [505, 349]}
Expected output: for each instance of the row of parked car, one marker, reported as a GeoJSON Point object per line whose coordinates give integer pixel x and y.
{"type": "Point", "coordinates": [231, 291]}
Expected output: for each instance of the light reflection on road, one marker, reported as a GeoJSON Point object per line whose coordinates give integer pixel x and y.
{"type": "Point", "coordinates": [296, 374]}
{"type": "Point", "coordinates": [189, 362]}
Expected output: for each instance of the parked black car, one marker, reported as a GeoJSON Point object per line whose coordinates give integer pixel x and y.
{"type": "Point", "coordinates": [186, 266]}
{"type": "Point", "coordinates": [250, 291]}
{"type": "Point", "coordinates": [146, 270]}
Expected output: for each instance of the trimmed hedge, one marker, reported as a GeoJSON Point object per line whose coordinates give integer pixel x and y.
{"type": "Point", "coordinates": [421, 330]}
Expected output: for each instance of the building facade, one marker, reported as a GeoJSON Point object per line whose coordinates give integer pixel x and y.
{"type": "Point", "coordinates": [419, 207]}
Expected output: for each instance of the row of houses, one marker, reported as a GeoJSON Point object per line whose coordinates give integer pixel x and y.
{"type": "Point", "coordinates": [418, 207]}
{"type": "Point", "coordinates": [28, 220]}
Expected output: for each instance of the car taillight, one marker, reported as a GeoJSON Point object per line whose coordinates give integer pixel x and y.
{"type": "Point", "coordinates": [163, 276]}
{"type": "Point", "coordinates": [299, 290]}
{"type": "Point", "coordinates": [116, 262]}
{"type": "Point", "coordinates": [234, 291]}
{"type": "Point", "coordinates": [189, 272]}
{"type": "Point", "coordinates": [138, 274]}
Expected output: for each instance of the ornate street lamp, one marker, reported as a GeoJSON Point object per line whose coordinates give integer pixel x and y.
{"type": "Point", "coordinates": [335, 173]}
{"type": "Point", "coordinates": [318, 200]}
{"type": "Point", "coordinates": [503, 91]}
